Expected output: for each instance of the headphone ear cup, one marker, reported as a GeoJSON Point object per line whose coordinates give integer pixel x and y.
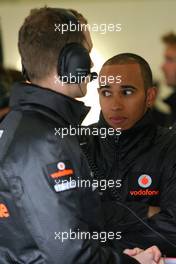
{"type": "Point", "coordinates": [62, 61]}
{"type": "Point", "coordinates": [74, 63]}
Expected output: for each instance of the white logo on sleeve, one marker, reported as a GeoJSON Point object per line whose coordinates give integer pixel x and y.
{"type": "Point", "coordinates": [144, 181]}
{"type": "Point", "coordinates": [61, 165]}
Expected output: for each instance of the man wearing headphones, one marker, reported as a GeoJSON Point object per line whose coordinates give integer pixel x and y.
{"type": "Point", "coordinates": [45, 216]}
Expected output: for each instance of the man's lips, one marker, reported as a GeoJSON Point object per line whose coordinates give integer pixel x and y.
{"type": "Point", "coordinates": [118, 120]}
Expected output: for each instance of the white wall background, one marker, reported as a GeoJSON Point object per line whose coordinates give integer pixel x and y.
{"type": "Point", "coordinates": [143, 23]}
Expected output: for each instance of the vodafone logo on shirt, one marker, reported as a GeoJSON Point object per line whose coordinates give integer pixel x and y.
{"type": "Point", "coordinates": [145, 181]}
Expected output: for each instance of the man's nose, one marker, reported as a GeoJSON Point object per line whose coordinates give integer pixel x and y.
{"type": "Point", "coordinates": [117, 103]}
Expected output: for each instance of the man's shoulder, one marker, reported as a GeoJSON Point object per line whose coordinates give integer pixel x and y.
{"type": "Point", "coordinates": [21, 130]}
{"type": "Point", "coordinates": [93, 125]}
{"type": "Point", "coordinates": [166, 143]}
{"type": "Point", "coordinates": [25, 122]}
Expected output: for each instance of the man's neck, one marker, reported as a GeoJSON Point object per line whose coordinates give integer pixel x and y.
{"type": "Point", "coordinates": [53, 84]}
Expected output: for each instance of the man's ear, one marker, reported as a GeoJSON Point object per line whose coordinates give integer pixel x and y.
{"type": "Point", "coordinates": [151, 96]}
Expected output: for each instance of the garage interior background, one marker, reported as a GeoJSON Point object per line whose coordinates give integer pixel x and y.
{"type": "Point", "coordinates": [143, 22]}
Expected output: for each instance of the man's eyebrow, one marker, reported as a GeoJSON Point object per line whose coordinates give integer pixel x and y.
{"type": "Point", "coordinates": [107, 86]}
{"type": "Point", "coordinates": [128, 86]}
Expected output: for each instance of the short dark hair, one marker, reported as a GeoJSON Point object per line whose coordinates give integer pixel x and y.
{"type": "Point", "coordinates": [169, 38]}
{"type": "Point", "coordinates": [39, 44]}
{"type": "Point", "coordinates": [78, 16]}
{"type": "Point", "coordinates": [125, 58]}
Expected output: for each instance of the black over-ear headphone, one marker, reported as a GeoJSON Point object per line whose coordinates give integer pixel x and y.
{"type": "Point", "coordinates": [74, 62]}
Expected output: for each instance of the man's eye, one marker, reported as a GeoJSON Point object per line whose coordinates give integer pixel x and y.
{"type": "Point", "coordinates": [106, 93]}
{"type": "Point", "coordinates": [171, 60]}
{"type": "Point", "coordinates": [127, 92]}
